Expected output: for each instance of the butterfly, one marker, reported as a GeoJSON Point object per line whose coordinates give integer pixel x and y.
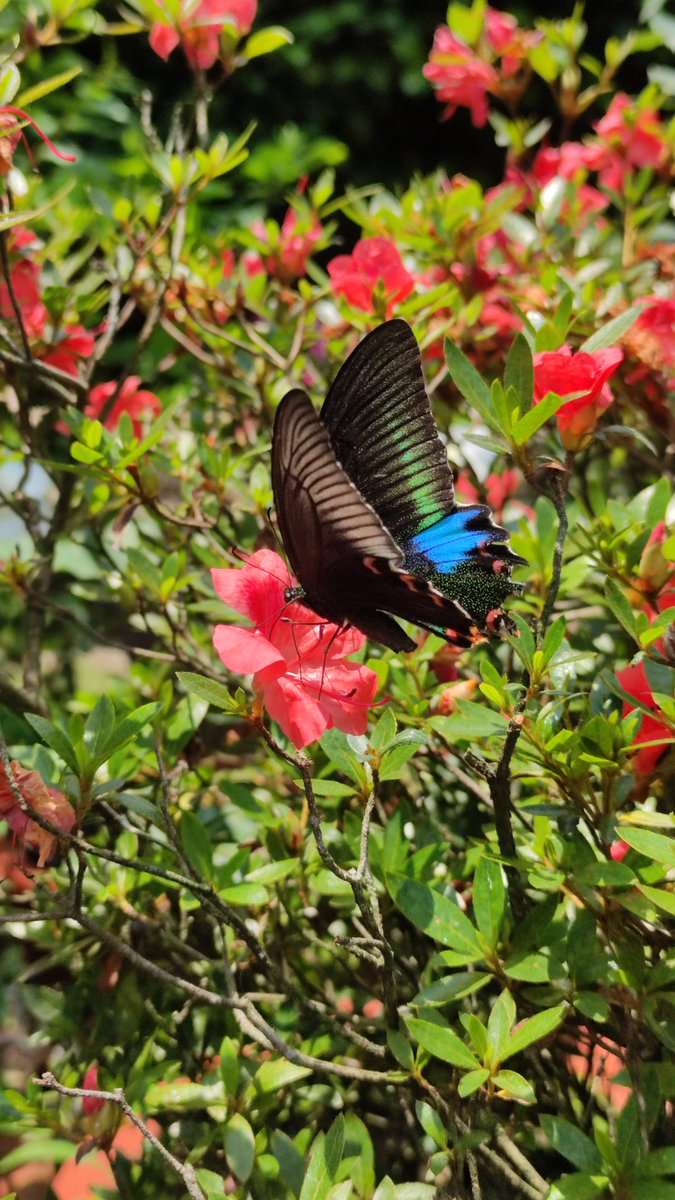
{"type": "Point", "coordinates": [365, 504]}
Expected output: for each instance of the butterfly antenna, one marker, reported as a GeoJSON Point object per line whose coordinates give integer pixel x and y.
{"type": "Point", "coordinates": [273, 527]}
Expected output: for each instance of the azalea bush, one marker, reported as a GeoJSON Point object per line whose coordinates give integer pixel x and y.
{"type": "Point", "coordinates": [287, 914]}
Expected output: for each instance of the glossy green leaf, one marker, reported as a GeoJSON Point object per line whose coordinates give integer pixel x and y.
{"type": "Point", "coordinates": [442, 1043]}
{"type": "Point", "coordinates": [436, 916]}
{"type": "Point", "coordinates": [239, 1147]}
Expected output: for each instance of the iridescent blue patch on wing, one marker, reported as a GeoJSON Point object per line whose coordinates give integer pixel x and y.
{"type": "Point", "coordinates": [450, 541]}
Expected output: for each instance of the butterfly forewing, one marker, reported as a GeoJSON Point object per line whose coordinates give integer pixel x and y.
{"type": "Point", "coordinates": [325, 523]}
{"type": "Point", "coordinates": [383, 432]}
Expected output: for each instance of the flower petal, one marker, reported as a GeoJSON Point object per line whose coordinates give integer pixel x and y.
{"type": "Point", "coordinates": [302, 719]}
{"type": "Point", "coordinates": [245, 651]}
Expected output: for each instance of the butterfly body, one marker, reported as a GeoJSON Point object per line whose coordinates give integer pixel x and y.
{"type": "Point", "coordinates": [365, 503]}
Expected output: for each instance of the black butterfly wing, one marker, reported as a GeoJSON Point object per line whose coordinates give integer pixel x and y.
{"type": "Point", "coordinates": [348, 564]}
{"type": "Point", "coordinates": [378, 415]}
{"type": "Point", "coordinates": [379, 418]}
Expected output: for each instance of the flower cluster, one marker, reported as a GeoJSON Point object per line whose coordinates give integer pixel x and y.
{"type": "Point", "coordinates": [64, 346]}
{"type": "Point", "coordinates": [201, 29]}
{"type": "Point", "coordinates": [300, 675]}
{"type": "Point", "coordinates": [464, 75]}
{"type": "Point", "coordinates": [49, 802]}
{"type": "Point", "coordinates": [372, 277]}
{"type": "Point", "coordinates": [130, 398]}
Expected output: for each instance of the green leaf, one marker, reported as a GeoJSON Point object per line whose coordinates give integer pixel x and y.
{"type": "Point", "coordinates": [607, 874]}
{"type": "Point", "coordinates": [651, 1189]}
{"type": "Point", "coordinates": [183, 1096]}
{"type": "Point", "coordinates": [56, 739]}
{"type": "Point", "coordinates": [335, 745]}
{"type": "Point", "coordinates": [324, 1162]}
{"type": "Point", "coordinates": [574, 1145]}
{"type": "Point", "coordinates": [538, 967]}
{"type": "Point", "coordinates": [621, 608]}
{"type": "Point", "coordinates": [239, 1147]}
{"type": "Point", "coordinates": [273, 872]}
{"type": "Point", "coordinates": [252, 894]}
{"type": "Point", "coordinates": [536, 1027]}
{"type": "Point", "coordinates": [660, 897]}
{"type": "Point", "coordinates": [652, 845]}
{"type": "Point", "coordinates": [528, 424]}
{"type": "Point", "coordinates": [128, 729]}
{"type": "Point", "coordinates": [581, 1186]}
{"type": "Point", "coordinates": [451, 987]}
{"type": "Point", "coordinates": [610, 333]}
{"type": "Point", "coordinates": [519, 371]}
{"type": "Point", "coordinates": [99, 726]}
{"type": "Point", "coordinates": [229, 1065]}
{"type": "Point", "coordinates": [500, 1022]}
{"type": "Point", "coordinates": [470, 383]}
{"type": "Point", "coordinates": [489, 899]}
{"type": "Point", "coordinates": [47, 1149]}
{"type": "Point", "coordinates": [291, 1162]}
{"type": "Point", "coordinates": [208, 689]}
{"type": "Point", "coordinates": [442, 1043]}
{"type": "Point", "coordinates": [436, 916]}
{"type": "Point", "coordinates": [265, 41]}
{"type": "Point", "coordinates": [516, 1085]}
{"type": "Point", "coordinates": [471, 1082]}
{"type": "Point", "coordinates": [401, 1049]}
{"type": "Point", "coordinates": [197, 844]}
{"type": "Point", "coordinates": [45, 86]}
{"type": "Point", "coordinates": [431, 1123]}
{"type": "Point", "coordinates": [276, 1074]}
{"type": "Point", "coordinates": [659, 1162]}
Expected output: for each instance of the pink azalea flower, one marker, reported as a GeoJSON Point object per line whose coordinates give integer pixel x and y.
{"type": "Point", "coordinates": [374, 261]}
{"type": "Point", "coordinates": [297, 660]}
{"type": "Point", "coordinates": [634, 681]}
{"type": "Point", "coordinates": [198, 28]}
{"type": "Point", "coordinates": [461, 79]}
{"type": "Point", "coordinates": [131, 399]}
{"type": "Point", "coordinates": [48, 801]}
{"type": "Point", "coordinates": [565, 371]}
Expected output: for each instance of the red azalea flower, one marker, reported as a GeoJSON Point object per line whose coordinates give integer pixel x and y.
{"type": "Point", "coordinates": [374, 262]}
{"type": "Point", "coordinates": [628, 139]}
{"type": "Point", "coordinates": [652, 337]}
{"type": "Point", "coordinates": [634, 681]}
{"type": "Point", "coordinates": [565, 371]}
{"type": "Point", "coordinates": [297, 660]}
{"type": "Point", "coordinates": [48, 801]}
{"type": "Point", "coordinates": [460, 77]}
{"type": "Point", "coordinates": [131, 399]}
{"type": "Point", "coordinates": [25, 279]}
{"type": "Point", "coordinates": [198, 28]}
{"type": "Point", "coordinates": [75, 344]}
